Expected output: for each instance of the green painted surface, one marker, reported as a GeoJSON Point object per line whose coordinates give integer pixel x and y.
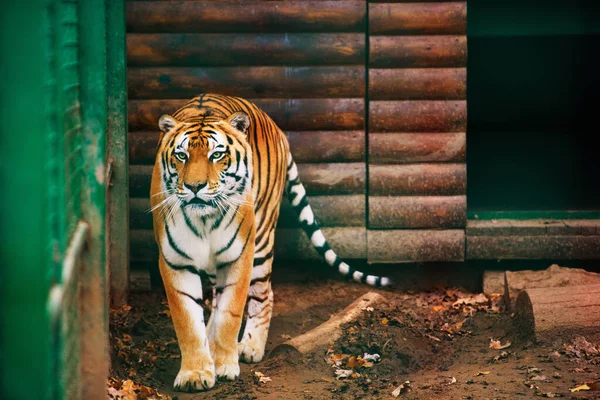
{"type": "Point", "coordinates": [25, 348]}
{"type": "Point", "coordinates": [54, 116]}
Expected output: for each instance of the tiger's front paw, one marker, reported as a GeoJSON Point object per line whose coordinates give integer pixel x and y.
{"type": "Point", "coordinates": [250, 351]}
{"type": "Point", "coordinates": [228, 370]}
{"type": "Point", "coordinates": [194, 380]}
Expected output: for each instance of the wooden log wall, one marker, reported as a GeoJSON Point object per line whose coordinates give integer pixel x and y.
{"type": "Point", "coordinates": [303, 62]}
{"type": "Point", "coordinates": [416, 131]}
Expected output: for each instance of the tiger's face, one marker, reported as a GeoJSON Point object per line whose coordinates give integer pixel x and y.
{"type": "Point", "coordinates": [205, 166]}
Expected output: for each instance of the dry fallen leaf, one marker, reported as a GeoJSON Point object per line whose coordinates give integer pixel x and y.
{"type": "Point", "coordinates": [539, 378]}
{"type": "Point", "coordinates": [482, 373]}
{"type": "Point", "coordinates": [343, 373]}
{"type": "Point", "coordinates": [384, 321]}
{"type": "Point", "coordinates": [403, 388]}
{"type": "Point", "coordinates": [495, 344]}
{"type": "Point", "coordinates": [580, 388]}
{"type": "Point", "coordinates": [371, 357]}
{"type": "Point", "coordinates": [367, 309]}
{"type": "Point", "coordinates": [261, 377]}
{"type": "Point", "coordinates": [453, 380]}
{"type": "Point", "coordinates": [285, 337]}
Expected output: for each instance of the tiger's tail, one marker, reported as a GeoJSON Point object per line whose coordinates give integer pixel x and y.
{"type": "Point", "coordinates": [306, 218]}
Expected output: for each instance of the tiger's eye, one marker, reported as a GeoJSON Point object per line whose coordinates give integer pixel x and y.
{"type": "Point", "coordinates": [181, 156]}
{"type": "Point", "coordinates": [217, 155]}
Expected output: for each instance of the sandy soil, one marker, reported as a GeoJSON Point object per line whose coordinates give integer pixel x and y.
{"type": "Point", "coordinates": [438, 341]}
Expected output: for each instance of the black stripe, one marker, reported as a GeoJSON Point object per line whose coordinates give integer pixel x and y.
{"type": "Point", "coordinates": [189, 223]}
{"type": "Point", "coordinates": [261, 260]}
{"type": "Point", "coordinates": [258, 299]}
{"type": "Point", "coordinates": [228, 245]}
{"type": "Point", "coordinates": [198, 301]}
{"type": "Point", "coordinates": [265, 278]}
{"type": "Point", "coordinates": [173, 244]}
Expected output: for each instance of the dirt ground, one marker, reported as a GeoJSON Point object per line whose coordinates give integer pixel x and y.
{"type": "Point", "coordinates": [437, 340]}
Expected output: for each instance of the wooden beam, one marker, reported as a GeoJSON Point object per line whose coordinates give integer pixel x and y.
{"type": "Point", "coordinates": [245, 16]}
{"type": "Point", "coordinates": [418, 116]}
{"type": "Point", "coordinates": [418, 84]}
{"type": "Point", "coordinates": [235, 49]}
{"type": "Point", "coordinates": [417, 179]}
{"type": "Point", "coordinates": [533, 247]}
{"type": "Point", "coordinates": [318, 179]}
{"type": "Point", "coordinates": [415, 245]}
{"type": "Point", "coordinates": [329, 211]}
{"type": "Point", "coordinates": [399, 148]}
{"type": "Point", "coordinates": [295, 115]}
{"type": "Point", "coordinates": [290, 244]}
{"type": "Point", "coordinates": [418, 51]}
{"type": "Point", "coordinates": [418, 18]}
{"type": "Point", "coordinates": [247, 82]}
{"type": "Point", "coordinates": [421, 212]}
{"type": "Point", "coordinates": [306, 146]}
{"type": "Point", "coordinates": [559, 313]}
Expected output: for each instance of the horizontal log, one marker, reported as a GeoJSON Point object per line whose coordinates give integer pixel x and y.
{"type": "Point", "coordinates": [418, 116]}
{"type": "Point", "coordinates": [329, 211]}
{"type": "Point", "coordinates": [417, 212]}
{"type": "Point", "coordinates": [533, 227]}
{"type": "Point", "coordinates": [295, 115]}
{"type": "Point", "coordinates": [255, 82]}
{"type": "Point", "coordinates": [418, 18]}
{"type": "Point", "coordinates": [533, 247]}
{"type": "Point", "coordinates": [245, 16]}
{"type": "Point", "coordinates": [418, 84]}
{"type": "Point", "coordinates": [290, 244]}
{"type": "Point", "coordinates": [417, 51]}
{"type": "Point", "coordinates": [417, 179]}
{"type": "Point", "coordinates": [318, 179]}
{"type": "Point", "coordinates": [398, 148]}
{"type": "Point", "coordinates": [553, 277]}
{"type": "Point", "coordinates": [306, 146]}
{"type": "Point", "coordinates": [559, 313]}
{"type": "Point", "coordinates": [415, 245]}
{"type": "Point", "coordinates": [176, 49]}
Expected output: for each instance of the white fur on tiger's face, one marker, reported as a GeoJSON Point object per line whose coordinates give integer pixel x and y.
{"type": "Point", "coordinates": [221, 170]}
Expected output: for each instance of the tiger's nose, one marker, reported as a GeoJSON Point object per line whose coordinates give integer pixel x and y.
{"type": "Point", "coordinates": [195, 186]}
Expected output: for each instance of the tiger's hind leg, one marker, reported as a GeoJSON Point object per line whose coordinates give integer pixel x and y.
{"type": "Point", "coordinates": [260, 309]}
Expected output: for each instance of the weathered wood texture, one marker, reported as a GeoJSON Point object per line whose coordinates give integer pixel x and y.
{"type": "Point", "coordinates": [418, 18]}
{"type": "Point", "coordinates": [389, 212]}
{"type": "Point", "coordinates": [418, 84]}
{"type": "Point", "coordinates": [416, 245]}
{"type": "Point", "coordinates": [533, 227]}
{"type": "Point", "coordinates": [290, 244]}
{"type": "Point", "coordinates": [559, 314]}
{"type": "Point", "coordinates": [552, 277]}
{"type": "Point", "coordinates": [255, 82]}
{"type": "Point", "coordinates": [245, 16]}
{"type": "Point", "coordinates": [493, 282]}
{"type": "Point", "coordinates": [401, 148]}
{"type": "Point", "coordinates": [561, 247]}
{"type": "Point", "coordinates": [307, 146]}
{"type": "Point", "coordinates": [417, 179]}
{"type": "Point", "coordinates": [441, 51]}
{"type": "Point", "coordinates": [292, 114]}
{"type": "Point", "coordinates": [331, 211]}
{"type": "Point", "coordinates": [233, 49]}
{"type": "Point", "coordinates": [318, 179]}
{"type": "Point", "coordinates": [418, 116]}
{"type": "Point", "coordinates": [329, 331]}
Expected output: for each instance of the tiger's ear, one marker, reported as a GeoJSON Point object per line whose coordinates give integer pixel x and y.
{"type": "Point", "coordinates": [239, 121]}
{"type": "Point", "coordinates": [166, 123]}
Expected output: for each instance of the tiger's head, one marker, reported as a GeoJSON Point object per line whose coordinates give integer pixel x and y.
{"type": "Point", "coordinates": [205, 166]}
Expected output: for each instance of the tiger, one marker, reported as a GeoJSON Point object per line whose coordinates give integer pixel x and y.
{"type": "Point", "coordinates": [221, 170]}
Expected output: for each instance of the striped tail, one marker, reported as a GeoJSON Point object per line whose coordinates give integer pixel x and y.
{"type": "Point", "coordinates": [306, 217]}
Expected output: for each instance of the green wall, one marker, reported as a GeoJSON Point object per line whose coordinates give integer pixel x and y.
{"type": "Point", "coordinates": [532, 80]}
